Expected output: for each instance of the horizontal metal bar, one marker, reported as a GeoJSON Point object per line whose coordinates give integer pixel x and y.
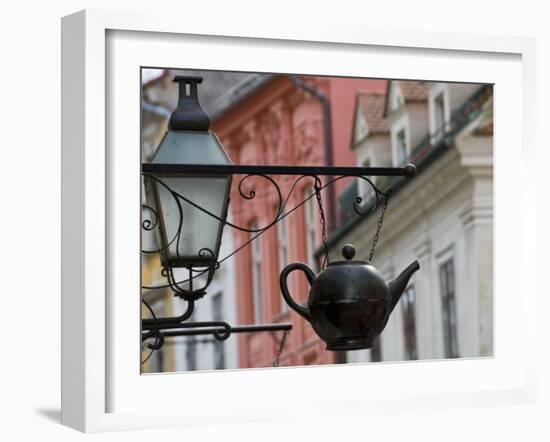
{"type": "Point", "coordinates": [261, 327]}
{"type": "Point", "coordinates": [147, 325]}
{"type": "Point", "coordinates": [409, 170]}
{"type": "Point", "coordinates": [236, 329]}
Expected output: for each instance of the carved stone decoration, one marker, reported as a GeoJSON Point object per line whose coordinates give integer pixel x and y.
{"type": "Point", "coordinates": [251, 151]}
{"type": "Point", "coordinates": [275, 134]}
{"type": "Point", "coordinates": [307, 131]}
{"type": "Point", "coordinates": [271, 137]}
{"type": "Point", "coordinates": [308, 140]}
{"type": "Point", "coordinates": [250, 130]}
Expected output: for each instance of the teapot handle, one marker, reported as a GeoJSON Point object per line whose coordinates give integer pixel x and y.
{"type": "Point", "coordinates": [300, 309]}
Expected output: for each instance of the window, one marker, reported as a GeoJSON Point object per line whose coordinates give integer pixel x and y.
{"type": "Point", "coordinates": [217, 315]}
{"type": "Point", "coordinates": [256, 261]}
{"type": "Point", "coordinates": [397, 98]}
{"type": "Point", "coordinates": [365, 190]}
{"type": "Point", "coordinates": [409, 325]}
{"type": "Point", "coordinates": [361, 128]}
{"type": "Point", "coordinates": [447, 285]}
{"type": "Point", "coordinates": [439, 111]}
{"type": "Point", "coordinates": [376, 351]}
{"type": "Point", "coordinates": [191, 353]}
{"type": "Point", "coordinates": [282, 237]}
{"type": "Point", "coordinates": [310, 225]}
{"type": "Point", "coordinates": [439, 114]}
{"type": "Point", "coordinates": [401, 144]}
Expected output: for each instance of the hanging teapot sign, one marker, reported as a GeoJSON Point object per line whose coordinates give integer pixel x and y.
{"type": "Point", "coordinates": [349, 302]}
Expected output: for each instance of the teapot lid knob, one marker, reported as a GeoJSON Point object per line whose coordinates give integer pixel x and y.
{"type": "Point", "coordinates": [348, 251]}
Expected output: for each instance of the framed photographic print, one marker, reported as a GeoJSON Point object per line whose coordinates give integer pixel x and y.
{"type": "Point", "coordinates": [342, 248]}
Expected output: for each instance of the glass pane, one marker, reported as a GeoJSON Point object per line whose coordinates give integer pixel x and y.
{"type": "Point", "coordinates": [199, 230]}
{"type": "Point", "coordinates": [182, 147]}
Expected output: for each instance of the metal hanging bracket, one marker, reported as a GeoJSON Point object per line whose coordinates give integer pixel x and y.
{"type": "Point", "coordinates": [408, 170]}
{"type": "Point", "coordinates": [160, 328]}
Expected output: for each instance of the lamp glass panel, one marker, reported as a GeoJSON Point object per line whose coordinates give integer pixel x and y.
{"type": "Point", "coordinates": [186, 147]}
{"type": "Point", "coordinates": [198, 231]}
{"type": "Point", "coordinates": [186, 230]}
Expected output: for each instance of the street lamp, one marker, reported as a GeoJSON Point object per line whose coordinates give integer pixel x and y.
{"type": "Point", "coordinates": [191, 207]}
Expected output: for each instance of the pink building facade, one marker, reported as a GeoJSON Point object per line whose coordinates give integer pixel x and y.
{"type": "Point", "coordinates": [277, 122]}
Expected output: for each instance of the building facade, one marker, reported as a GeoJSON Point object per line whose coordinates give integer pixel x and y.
{"type": "Point", "coordinates": [443, 217]}
{"type": "Point", "coordinates": [283, 120]}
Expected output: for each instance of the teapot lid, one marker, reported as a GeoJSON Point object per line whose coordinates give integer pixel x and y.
{"type": "Point", "coordinates": [348, 252]}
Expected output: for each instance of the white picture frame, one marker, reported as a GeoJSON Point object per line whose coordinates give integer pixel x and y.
{"type": "Point", "coordinates": [91, 314]}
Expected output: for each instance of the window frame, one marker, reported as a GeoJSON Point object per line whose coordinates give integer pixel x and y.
{"type": "Point", "coordinates": [449, 320]}
{"type": "Point", "coordinates": [401, 124]}
{"type": "Point", "coordinates": [436, 91]}
{"type": "Point", "coordinates": [408, 310]}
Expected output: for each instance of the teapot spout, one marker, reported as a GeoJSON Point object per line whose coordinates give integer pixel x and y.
{"type": "Point", "coordinates": [397, 286]}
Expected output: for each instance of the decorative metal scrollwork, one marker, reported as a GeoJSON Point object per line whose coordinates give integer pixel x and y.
{"type": "Point", "coordinates": [360, 207]}
{"type": "Point", "coordinates": [282, 202]}
{"type": "Point", "coordinates": [157, 329]}
{"type": "Point", "coordinates": [191, 292]}
{"type": "Point", "coordinates": [148, 224]}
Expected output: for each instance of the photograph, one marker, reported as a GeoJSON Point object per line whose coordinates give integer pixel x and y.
{"type": "Point", "coordinates": [303, 220]}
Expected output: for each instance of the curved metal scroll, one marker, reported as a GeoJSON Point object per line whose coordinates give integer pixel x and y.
{"type": "Point", "coordinates": [360, 207]}
{"type": "Point", "coordinates": [157, 329]}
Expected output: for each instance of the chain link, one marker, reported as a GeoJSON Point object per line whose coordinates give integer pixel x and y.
{"type": "Point", "coordinates": [380, 222]}
{"type": "Point", "coordinates": [324, 237]}
{"type": "Point", "coordinates": [280, 350]}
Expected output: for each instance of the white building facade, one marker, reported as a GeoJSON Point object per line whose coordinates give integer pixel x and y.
{"type": "Point", "coordinates": [443, 217]}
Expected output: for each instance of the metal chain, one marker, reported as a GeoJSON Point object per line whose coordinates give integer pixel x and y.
{"type": "Point", "coordinates": [324, 238]}
{"type": "Point", "coordinates": [380, 221]}
{"type": "Point", "coordinates": [280, 350]}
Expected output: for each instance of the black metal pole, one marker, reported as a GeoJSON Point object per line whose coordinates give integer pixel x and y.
{"type": "Point", "coordinates": [195, 331]}
{"type": "Point", "coordinates": [409, 170]}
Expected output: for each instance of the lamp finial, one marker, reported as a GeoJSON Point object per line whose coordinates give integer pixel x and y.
{"type": "Point", "coordinates": [188, 114]}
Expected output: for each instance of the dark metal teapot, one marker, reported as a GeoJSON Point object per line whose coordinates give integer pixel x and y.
{"type": "Point", "coordinates": [349, 302]}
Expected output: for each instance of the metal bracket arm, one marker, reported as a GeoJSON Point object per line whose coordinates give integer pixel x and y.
{"type": "Point", "coordinates": [408, 170]}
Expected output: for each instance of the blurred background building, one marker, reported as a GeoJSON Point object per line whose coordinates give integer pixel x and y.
{"type": "Point", "coordinates": [281, 119]}
{"type": "Point", "coordinates": [443, 217]}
